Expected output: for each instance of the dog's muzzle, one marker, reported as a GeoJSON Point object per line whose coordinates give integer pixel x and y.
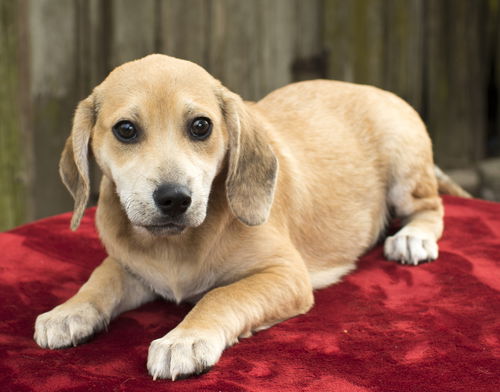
{"type": "Point", "coordinates": [172, 200]}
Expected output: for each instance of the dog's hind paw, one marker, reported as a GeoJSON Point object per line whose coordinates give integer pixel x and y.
{"type": "Point", "coordinates": [411, 246]}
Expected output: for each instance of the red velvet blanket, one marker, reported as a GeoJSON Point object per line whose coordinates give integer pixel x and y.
{"type": "Point", "coordinates": [386, 327]}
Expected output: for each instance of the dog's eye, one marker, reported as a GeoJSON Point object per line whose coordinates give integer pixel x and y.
{"type": "Point", "coordinates": [125, 131]}
{"type": "Point", "coordinates": [200, 128]}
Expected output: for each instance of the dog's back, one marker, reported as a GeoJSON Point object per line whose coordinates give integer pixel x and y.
{"type": "Point", "coordinates": [339, 146]}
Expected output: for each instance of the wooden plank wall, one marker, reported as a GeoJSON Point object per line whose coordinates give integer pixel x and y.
{"type": "Point", "coordinates": [440, 55]}
{"type": "Point", "coordinates": [13, 165]}
{"type": "Point", "coordinates": [433, 53]}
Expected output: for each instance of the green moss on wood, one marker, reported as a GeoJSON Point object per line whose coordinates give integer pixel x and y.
{"type": "Point", "coordinates": [12, 182]}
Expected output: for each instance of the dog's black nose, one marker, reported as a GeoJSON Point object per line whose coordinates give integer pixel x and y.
{"type": "Point", "coordinates": [172, 199]}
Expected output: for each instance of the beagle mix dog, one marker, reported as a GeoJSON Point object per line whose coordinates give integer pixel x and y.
{"type": "Point", "coordinates": [242, 208]}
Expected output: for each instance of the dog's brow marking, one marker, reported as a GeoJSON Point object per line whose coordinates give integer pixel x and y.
{"type": "Point", "coordinates": [132, 113]}
{"type": "Point", "coordinates": [193, 108]}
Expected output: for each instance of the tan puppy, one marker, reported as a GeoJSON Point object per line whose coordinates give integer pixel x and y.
{"type": "Point", "coordinates": [243, 208]}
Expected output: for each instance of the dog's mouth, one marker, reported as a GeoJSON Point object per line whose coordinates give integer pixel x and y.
{"type": "Point", "coordinates": [165, 228]}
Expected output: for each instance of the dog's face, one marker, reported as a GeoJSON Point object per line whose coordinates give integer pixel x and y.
{"type": "Point", "coordinates": [160, 128]}
{"type": "Point", "coordinates": [160, 136]}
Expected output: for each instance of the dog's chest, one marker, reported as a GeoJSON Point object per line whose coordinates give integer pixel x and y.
{"type": "Point", "coordinates": [175, 280]}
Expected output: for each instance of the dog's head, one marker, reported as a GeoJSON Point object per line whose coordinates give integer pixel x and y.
{"type": "Point", "coordinates": [162, 129]}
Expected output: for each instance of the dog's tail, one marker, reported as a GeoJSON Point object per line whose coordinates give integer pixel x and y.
{"type": "Point", "coordinates": [447, 186]}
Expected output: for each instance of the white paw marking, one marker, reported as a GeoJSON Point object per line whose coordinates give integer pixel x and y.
{"type": "Point", "coordinates": [411, 246]}
{"type": "Point", "coordinates": [68, 325]}
{"type": "Point", "coordinates": [183, 352]}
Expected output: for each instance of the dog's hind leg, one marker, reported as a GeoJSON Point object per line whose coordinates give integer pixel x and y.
{"type": "Point", "coordinates": [415, 199]}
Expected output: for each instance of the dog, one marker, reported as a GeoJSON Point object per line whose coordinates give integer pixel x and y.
{"type": "Point", "coordinates": [241, 208]}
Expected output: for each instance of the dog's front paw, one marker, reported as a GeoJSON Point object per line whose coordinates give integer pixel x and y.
{"type": "Point", "coordinates": [411, 246]}
{"type": "Point", "coordinates": [68, 325]}
{"type": "Point", "coordinates": [184, 352]}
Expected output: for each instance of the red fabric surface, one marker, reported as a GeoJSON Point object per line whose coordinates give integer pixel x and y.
{"type": "Point", "coordinates": [386, 327]}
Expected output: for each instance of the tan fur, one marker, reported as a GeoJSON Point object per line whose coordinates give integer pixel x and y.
{"type": "Point", "coordinates": [447, 186]}
{"type": "Point", "coordinates": [287, 193]}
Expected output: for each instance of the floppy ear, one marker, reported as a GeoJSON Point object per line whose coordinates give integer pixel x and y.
{"type": "Point", "coordinates": [74, 163]}
{"type": "Point", "coordinates": [253, 167]}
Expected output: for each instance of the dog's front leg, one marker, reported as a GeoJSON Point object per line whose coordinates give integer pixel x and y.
{"type": "Point", "coordinates": [109, 291]}
{"type": "Point", "coordinates": [226, 313]}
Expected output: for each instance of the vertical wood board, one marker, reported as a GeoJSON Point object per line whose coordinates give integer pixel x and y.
{"type": "Point", "coordinates": [13, 187]}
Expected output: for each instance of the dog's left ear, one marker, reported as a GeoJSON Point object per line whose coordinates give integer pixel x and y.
{"type": "Point", "coordinates": [74, 163]}
{"type": "Point", "coordinates": [253, 167]}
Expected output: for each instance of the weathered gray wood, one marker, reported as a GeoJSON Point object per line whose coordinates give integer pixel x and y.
{"type": "Point", "coordinates": [92, 59]}
{"type": "Point", "coordinates": [404, 49]}
{"type": "Point", "coordinates": [455, 80]}
{"type": "Point", "coordinates": [92, 40]}
{"type": "Point", "coordinates": [275, 45]}
{"type": "Point", "coordinates": [185, 27]}
{"type": "Point", "coordinates": [252, 44]}
{"type": "Point", "coordinates": [234, 46]}
{"type": "Point", "coordinates": [132, 30]}
{"type": "Point", "coordinates": [354, 40]}
{"type": "Point", "coordinates": [378, 43]}
{"type": "Point", "coordinates": [53, 92]}
{"type": "Point", "coordinates": [13, 162]}
{"type": "Point", "coordinates": [436, 54]}
{"type": "Point", "coordinates": [309, 56]}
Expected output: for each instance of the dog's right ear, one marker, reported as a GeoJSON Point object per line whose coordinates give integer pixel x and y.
{"type": "Point", "coordinates": [74, 163]}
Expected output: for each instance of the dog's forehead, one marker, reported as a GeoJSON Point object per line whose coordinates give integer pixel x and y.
{"type": "Point", "coordinates": [158, 77]}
